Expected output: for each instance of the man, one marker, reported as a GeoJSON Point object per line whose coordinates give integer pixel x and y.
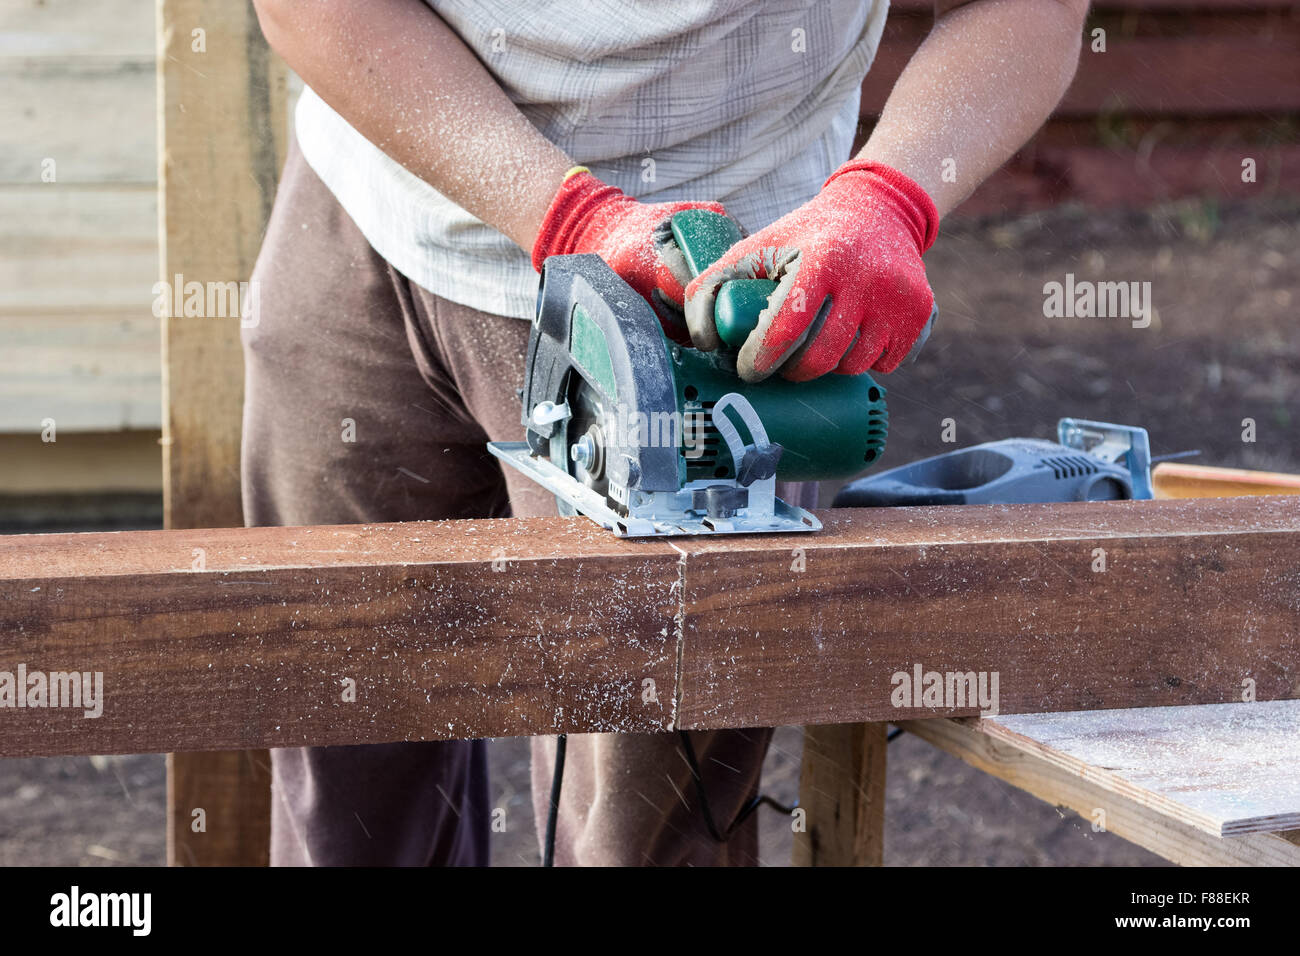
{"type": "Point", "coordinates": [438, 167]}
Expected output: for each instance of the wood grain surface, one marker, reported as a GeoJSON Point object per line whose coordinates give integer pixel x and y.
{"type": "Point", "coordinates": [1115, 813]}
{"type": "Point", "coordinates": [1195, 596]}
{"type": "Point", "coordinates": [1226, 769]}
{"type": "Point", "coordinates": [251, 648]}
{"type": "Point", "coordinates": [255, 647]}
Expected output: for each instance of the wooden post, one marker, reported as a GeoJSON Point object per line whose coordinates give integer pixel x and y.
{"type": "Point", "coordinates": [222, 137]}
{"type": "Point", "coordinates": [842, 791]}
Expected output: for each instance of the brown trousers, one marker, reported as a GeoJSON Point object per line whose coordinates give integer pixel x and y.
{"type": "Point", "coordinates": [344, 342]}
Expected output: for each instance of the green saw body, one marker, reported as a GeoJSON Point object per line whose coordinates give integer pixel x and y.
{"type": "Point", "coordinates": [831, 427]}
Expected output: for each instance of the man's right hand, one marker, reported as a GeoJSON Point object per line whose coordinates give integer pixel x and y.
{"type": "Point", "coordinates": [634, 239]}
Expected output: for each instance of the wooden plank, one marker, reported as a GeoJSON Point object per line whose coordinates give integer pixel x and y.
{"type": "Point", "coordinates": [210, 816]}
{"type": "Point", "coordinates": [1226, 769]}
{"type": "Point", "coordinates": [926, 7]}
{"type": "Point", "coordinates": [70, 249]}
{"type": "Point", "coordinates": [812, 630]}
{"type": "Point", "coordinates": [448, 629]}
{"type": "Point", "coordinates": [86, 371]}
{"type": "Point", "coordinates": [444, 647]}
{"type": "Point", "coordinates": [1177, 480]}
{"type": "Point", "coordinates": [842, 793]}
{"type": "Point", "coordinates": [80, 463]}
{"type": "Point", "coordinates": [64, 28]}
{"type": "Point", "coordinates": [93, 116]}
{"type": "Point", "coordinates": [1171, 839]}
{"type": "Point", "coordinates": [1150, 75]}
{"type": "Point", "coordinates": [1100, 177]}
{"type": "Point", "coordinates": [215, 194]}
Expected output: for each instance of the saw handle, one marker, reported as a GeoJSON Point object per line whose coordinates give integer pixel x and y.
{"type": "Point", "coordinates": [703, 236]}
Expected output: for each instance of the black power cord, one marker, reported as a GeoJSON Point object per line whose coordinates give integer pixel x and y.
{"type": "Point", "coordinates": [707, 812]}
{"type": "Point", "coordinates": [557, 779]}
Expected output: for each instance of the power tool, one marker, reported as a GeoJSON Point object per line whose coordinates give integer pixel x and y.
{"type": "Point", "coordinates": [651, 438]}
{"type": "Point", "coordinates": [1089, 461]}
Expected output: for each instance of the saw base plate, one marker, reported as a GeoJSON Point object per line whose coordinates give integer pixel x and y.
{"type": "Point", "coordinates": [648, 523]}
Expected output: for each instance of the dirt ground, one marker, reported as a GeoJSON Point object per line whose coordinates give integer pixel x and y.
{"type": "Point", "coordinates": [1221, 348]}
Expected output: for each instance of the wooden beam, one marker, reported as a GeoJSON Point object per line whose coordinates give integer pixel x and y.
{"type": "Point", "coordinates": [235, 638]}
{"type": "Point", "coordinates": [1122, 815]}
{"type": "Point", "coordinates": [1176, 480]}
{"type": "Point", "coordinates": [222, 137]}
{"type": "Point", "coordinates": [1074, 606]}
{"type": "Point", "coordinates": [842, 792]}
{"type": "Point", "coordinates": [1158, 75]}
{"type": "Point", "coordinates": [279, 637]}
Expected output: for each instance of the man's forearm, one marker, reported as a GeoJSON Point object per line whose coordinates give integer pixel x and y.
{"type": "Point", "coordinates": [398, 74]}
{"type": "Point", "coordinates": [983, 81]}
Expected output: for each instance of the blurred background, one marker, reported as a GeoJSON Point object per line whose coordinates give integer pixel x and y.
{"type": "Point", "coordinates": [1173, 160]}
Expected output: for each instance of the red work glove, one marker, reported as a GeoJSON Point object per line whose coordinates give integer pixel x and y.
{"type": "Point", "coordinates": [634, 239]}
{"type": "Point", "coordinates": [852, 293]}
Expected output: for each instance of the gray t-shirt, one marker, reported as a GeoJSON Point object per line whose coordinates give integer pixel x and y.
{"type": "Point", "coordinates": [749, 103]}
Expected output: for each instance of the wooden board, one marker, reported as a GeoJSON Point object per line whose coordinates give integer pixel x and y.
{"type": "Point", "coordinates": [69, 28]}
{"type": "Point", "coordinates": [78, 464]}
{"type": "Point", "coordinates": [1178, 480]}
{"type": "Point", "coordinates": [565, 637]}
{"type": "Point", "coordinates": [842, 794]}
{"type": "Point", "coordinates": [1148, 75]}
{"type": "Point", "coordinates": [222, 136]}
{"type": "Point", "coordinates": [1225, 768]}
{"type": "Point", "coordinates": [215, 193]}
{"type": "Point", "coordinates": [92, 372]}
{"type": "Point", "coordinates": [67, 250]}
{"type": "Point", "coordinates": [1118, 814]}
{"type": "Point", "coordinates": [256, 648]}
{"type": "Point", "coordinates": [94, 116]}
{"type": "Point", "coordinates": [78, 339]}
{"type": "Point", "coordinates": [78, 257]}
{"type": "Point", "coordinates": [926, 7]}
{"type": "Point", "coordinates": [1007, 590]}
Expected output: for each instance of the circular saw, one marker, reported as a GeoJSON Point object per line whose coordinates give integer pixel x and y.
{"type": "Point", "coordinates": [651, 438]}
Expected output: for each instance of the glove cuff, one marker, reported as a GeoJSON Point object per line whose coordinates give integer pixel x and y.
{"type": "Point", "coordinates": [570, 211]}
{"type": "Point", "coordinates": [913, 201]}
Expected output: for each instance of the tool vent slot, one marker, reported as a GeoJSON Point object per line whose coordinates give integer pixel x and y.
{"type": "Point", "coordinates": [877, 434]}
{"type": "Point", "coordinates": [700, 433]}
{"type": "Point", "coordinates": [1070, 466]}
{"type": "Point", "coordinates": [878, 425]}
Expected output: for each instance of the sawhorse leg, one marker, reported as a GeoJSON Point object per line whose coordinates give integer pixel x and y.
{"type": "Point", "coordinates": [842, 791]}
